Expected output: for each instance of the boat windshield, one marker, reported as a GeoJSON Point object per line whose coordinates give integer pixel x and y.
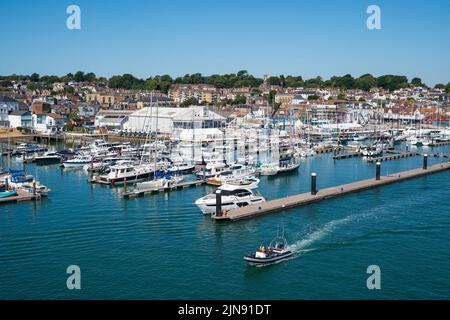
{"type": "Point", "coordinates": [237, 193]}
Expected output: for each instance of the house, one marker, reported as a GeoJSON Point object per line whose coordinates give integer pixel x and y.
{"type": "Point", "coordinates": [7, 105]}
{"type": "Point", "coordinates": [40, 107]}
{"type": "Point", "coordinates": [22, 119]}
{"type": "Point", "coordinates": [48, 123]}
{"type": "Point", "coordinates": [88, 111]}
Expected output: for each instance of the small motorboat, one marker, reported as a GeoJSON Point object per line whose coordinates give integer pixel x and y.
{"type": "Point", "coordinates": [276, 251]}
{"type": "Point", "coordinates": [7, 194]}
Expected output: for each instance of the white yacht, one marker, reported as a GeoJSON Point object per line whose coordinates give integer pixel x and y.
{"type": "Point", "coordinates": [234, 172]}
{"type": "Point", "coordinates": [77, 162]}
{"type": "Point", "coordinates": [127, 171]}
{"type": "Point", "coordinates": [233, 196]}
{"type": "Point", "coordinates": [269, 169]}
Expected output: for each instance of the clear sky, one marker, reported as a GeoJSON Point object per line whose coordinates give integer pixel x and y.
{"type": "Point", "coordinates": [299, 37]}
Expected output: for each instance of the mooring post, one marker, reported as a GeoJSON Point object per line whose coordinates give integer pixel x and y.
{"type": "Point", "coordinates": [125, 184]}
{"type": "Point", "coordinates": [34, 187]}
{"type": "Point", "coordinates": [6, 184]}
{"type": "Point", "coordinates": [378, 171]}
{"type": "Point", "coordinates": [218, 203]}
{"type": "Point", "coordinates": [313, 184]}
{"type": "Point", "coordinates": [425, 161]}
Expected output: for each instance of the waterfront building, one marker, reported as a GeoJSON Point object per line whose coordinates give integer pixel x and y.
{"type": "Point", "coordinates": [48, 123]}
{"type": "Point", "coordinates": [22, 119]}
{"type": "Point", "coordinates": [173, 120]}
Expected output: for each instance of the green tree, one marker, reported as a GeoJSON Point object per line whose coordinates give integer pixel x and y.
{"type": "Point", "coordinates": [34, 77]}
{"type": "Point", "coordinates": [447, 88]}
{"type": "Point", "coordinates": [79, 76]}
{"type": "Point", "coordinates": [189, 102]}
{"type": "Point", "coordinates": [392, 82]}
{"type": "Point", "coordinates": [439, 86]}
{"type": "Point", "coordinates": [366, 82]}
{"type": "Point", "coordinates": [89, 77]}
{"type": "Point", "coordinates": [274, 81]}
{"type": "Point", "coordinates": [240, 99]}
{"type": "Point", "coordinates": [417, 82]}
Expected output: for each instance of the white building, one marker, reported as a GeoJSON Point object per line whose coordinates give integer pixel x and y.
{"type": "Point", "coordinates": [22, 119]}
{"type": "Point", "coordinates": [7, 105]}
{"type": "Point", "coordinates": [173, 120]}
{"type": "Point", "coordinates": [48, 123]}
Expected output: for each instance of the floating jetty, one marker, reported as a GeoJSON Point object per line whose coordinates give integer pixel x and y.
{"type": "Point", "coordinates": [393, 156]}
{"type": "Point", "coordinates": [140, 193]}
{"type": "Point", "coordinates": [22, 195]}
{"type": "Point", "coordinates": [346, 155]}
{"type": "Point", "coordinates": [317, 196]}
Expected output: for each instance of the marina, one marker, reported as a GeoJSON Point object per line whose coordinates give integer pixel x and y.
{"type": "Point", "coordinates": [328, 193]}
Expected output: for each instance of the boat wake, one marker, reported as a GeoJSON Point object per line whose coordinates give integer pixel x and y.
{"type": "Point", "coordinates": [304, 245]}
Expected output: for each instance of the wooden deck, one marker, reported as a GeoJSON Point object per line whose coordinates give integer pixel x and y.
{"type": "Point", "coordinates": [140, 193]}
{"type": "Point", "coordinates": [306, 198]}
{"type": "Point", "coordinates": [22, 195]}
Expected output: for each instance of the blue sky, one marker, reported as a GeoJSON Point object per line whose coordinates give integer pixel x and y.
{"type": "Point", "coordinates": [176, 37]}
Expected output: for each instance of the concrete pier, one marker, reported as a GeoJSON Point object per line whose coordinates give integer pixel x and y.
{"type": "Point", "coordinates": [308, 198]}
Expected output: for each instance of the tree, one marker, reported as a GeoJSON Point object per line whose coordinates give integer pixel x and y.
{"type": "Point", "coordinates": [447, 88]}
{"type": "Point", "coordinates": [341, 97]}
{"type": "Point", "coordinates": [150, 84]}
{"type": "Point", "coordinates": [189, 102]}
{"type": "Point", "coordinates": [240, 99]}
{"type": "Point", "coordinates": [34, 77]}
{"type": "Point", "coordinates": [392, 82]}
{"type": "Point", "coordinates": [366, 82]}
{"type": "Point", "coordinates": [439, 86]}
{"type": "Point", "coordinates": [417, 82]}
{"type": "Point", "coordinates": [314, 83]}
{"type": "Point", "coordinates": [313, 97]}
{"type": "Point", "coordinates": [90, 77]}
{"type": "Point", "coordinates": [274, 81]}
{"type": "Point", "coordinates": [271, 97]}
{"type": "Point", "coordinates": [79, 76]}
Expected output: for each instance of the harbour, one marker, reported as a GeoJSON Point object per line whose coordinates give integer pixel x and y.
{"type": "Point", "coordinates": [325, 232]}
{"type": "Point", "coordinates": [320, 195]}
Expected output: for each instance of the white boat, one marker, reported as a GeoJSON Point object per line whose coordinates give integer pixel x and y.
{"type": "Point", "coordinates": [160, 183]}
{"type": "Point", "coordinates": [232, 197]}
{"type": "Point", "coordinates": [77, 162]}
{"type": "Point", "coordinates": [269, 169]}
{"type": "Point", "coordinates": [248, 182]}
{"type": "Point", "coordinates": [277, 250]}
{"type": "Point", "coordinates": [234, 172]}
{"type": "Point", "coordinates": [127, 171]}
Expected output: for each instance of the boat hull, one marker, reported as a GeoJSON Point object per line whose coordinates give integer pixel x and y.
{"type": "Point", "coordinates": [279, 257]}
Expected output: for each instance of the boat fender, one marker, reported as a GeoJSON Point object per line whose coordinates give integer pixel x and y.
{"type": "Point", "coordinates": [224, 212]}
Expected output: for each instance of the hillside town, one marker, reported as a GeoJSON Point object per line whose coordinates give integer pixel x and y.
{"type": "Point", "coordinates": [88, 104]}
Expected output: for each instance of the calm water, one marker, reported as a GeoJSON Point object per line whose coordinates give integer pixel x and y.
{"type": "Point", "coordinates": [162, 247]}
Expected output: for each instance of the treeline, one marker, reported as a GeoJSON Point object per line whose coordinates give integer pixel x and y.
{"type": "Point", "coordinates": [165, 82]}
{"type": "Point", "coordinates": [232, 80]}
